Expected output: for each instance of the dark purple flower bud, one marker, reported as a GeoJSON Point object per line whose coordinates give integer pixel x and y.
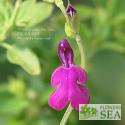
{"type": "Point", "coordinates": [70, 11]}
{"type": "Point", "coordinates": [65, 53]}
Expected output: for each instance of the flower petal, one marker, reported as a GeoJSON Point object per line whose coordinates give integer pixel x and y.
{"type": "Point", "coordinates": [65, 53]}
{"type": "Point", "coordinates": [55, 78]}
{"type": "Point", "coordinates": [59, 99]}
{"type": "Point", "coordinates": [79, 96]}
{"type": "Point", "coordinates": [82, 75]}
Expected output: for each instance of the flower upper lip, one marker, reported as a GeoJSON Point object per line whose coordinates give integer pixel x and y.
{"type": "Point", "coordinates": [65, 53]}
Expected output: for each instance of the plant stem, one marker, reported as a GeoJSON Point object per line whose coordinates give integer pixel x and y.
{"type": "Point", "coordinates": [66, 115]}
{"type": "Point", "coordinates": [11, 21]}
{"type": "Point", "coordinates": [14, 14]}
{"type": "Point", "coordinates": [59, 3]}
{"type": "Point", "coordinates": [5, 45]}
{"type": "Point", "coordinates": [81, 50]}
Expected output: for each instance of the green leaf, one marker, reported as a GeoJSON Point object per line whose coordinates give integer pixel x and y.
{"type": "Point", "coordinates": [25, 58]}
{"type": "Point", "coordinates": [50, 1]}
{"type": "Point", "coordinates": [11, 104]}
{"type": "Point", "coordinates": [32, 13]}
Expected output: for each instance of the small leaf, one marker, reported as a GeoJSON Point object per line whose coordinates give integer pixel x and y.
{"type": "Point", "coordinates": [32, 13]}
{"type": "Point", "coordinates": [25, 58]}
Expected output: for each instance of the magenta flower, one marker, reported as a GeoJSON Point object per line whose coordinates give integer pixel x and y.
{"type": "Point", "coordinates": [69, 81]}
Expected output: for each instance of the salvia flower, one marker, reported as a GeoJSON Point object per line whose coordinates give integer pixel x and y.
{"type": "Point", "coordinates": [70, 11]}
{"type": "Point", "coordinates": [69, 81]}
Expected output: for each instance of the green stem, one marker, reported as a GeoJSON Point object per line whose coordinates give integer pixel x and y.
{"type": "Point", "coordinates": [5, 45]}
{"type": "Point", "coordinates": [14, 14]}
{"type": "Point", "coordinates": [59, 3]}
{"type": "Point", "coordinates": [66, 115]}
{"type": "Point", "coordinates": [81, 50]}
{"type": "Point", "coordinates": [11, 21]}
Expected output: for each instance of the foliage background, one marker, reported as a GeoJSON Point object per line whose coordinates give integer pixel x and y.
{"type": "Point", "coordinates": [23, 97]}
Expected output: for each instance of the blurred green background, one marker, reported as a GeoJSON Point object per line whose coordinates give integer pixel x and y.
{"type": "Point", "coordinates": [24, 96]}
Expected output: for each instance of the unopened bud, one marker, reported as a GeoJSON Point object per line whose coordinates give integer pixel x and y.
{"type": "Point", "coordinates": [70, 11]}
